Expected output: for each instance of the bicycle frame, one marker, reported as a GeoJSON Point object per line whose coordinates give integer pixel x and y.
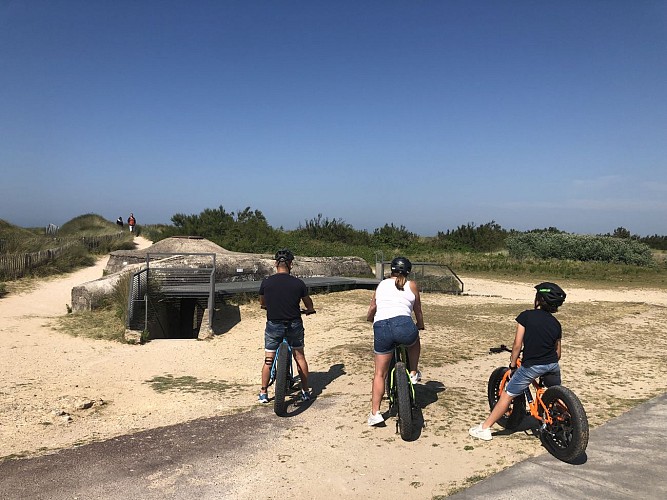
{"type": "Point", "coordinates": [534, 403]}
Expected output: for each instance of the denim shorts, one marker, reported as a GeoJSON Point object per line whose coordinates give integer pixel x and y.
{"type": "Point", "coordinates": [387, 333]}
{"type": "Point", "coordinates": [523, 377]}
{"type": "Point", "coordinates": [276, 330]}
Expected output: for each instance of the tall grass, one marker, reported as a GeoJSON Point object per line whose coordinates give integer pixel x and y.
{"type": "Point", "coordinates": [120, 297]}
{"type": "Point", "coordinates": [82, 239]}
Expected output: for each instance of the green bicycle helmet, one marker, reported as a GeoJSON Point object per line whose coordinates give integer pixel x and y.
{"type": "Point", "coordinates": [551, 293]}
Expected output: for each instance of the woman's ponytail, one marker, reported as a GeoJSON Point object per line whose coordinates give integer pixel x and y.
{"type": "Point", "coordinates": [400, 281]}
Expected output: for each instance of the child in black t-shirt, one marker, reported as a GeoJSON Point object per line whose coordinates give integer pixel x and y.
{"type": "Point", "coordinates": [539, 333]}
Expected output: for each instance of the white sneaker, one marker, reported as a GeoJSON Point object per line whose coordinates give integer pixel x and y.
{"type": "Point", "coordinates": [416, 377]}
{"type": "Point", "coordinates": [479, 433]}
{"type": "Point", "coordinates": [375, 419]}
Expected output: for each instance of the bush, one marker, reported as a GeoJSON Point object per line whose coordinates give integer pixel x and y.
{"type": "Point", "coordinates": [333, 231]}
{"type": "Point", "coordinates": [579, 247]}
{"type": "Point", "coordinates": [395, 237]}
{"type": "Point", "coordinates": [485, 238]}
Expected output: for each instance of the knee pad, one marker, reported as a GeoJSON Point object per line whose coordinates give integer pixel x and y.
{"type": "Point", "coordinates": [268, 361]}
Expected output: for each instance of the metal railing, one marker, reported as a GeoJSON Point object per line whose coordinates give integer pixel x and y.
{"type": "Point", "coordinates": [172, 275]}
{"type": "Point", "coordinates": [431, 276]}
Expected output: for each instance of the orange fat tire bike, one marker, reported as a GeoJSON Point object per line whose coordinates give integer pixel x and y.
{"type": "Point", "coordinates": [561, 418]}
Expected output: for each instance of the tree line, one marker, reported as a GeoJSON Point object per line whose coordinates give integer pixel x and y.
{"type": "Point", "coordinates": [248, 230]}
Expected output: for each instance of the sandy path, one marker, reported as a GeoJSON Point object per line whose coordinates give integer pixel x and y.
{"type": "Point", "coordinates": [47, 380]}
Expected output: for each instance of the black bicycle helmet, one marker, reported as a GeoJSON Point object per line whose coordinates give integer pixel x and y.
{"type": "Point", "coordinates": [401, 265]}
{"type": "Point", "coordinates": [551, 293]}
{"type": "Point", "coordinates": [284, 255]}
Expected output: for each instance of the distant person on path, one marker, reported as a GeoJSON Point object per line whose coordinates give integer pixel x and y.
{"type": "Point", "coordinates": [131, 221]}
{"type": "Point", "coordinates": [281, 294]}
{"type": "Point", "coordinates": [119, 221]}
{"type": "Point", "coordinates": [391, 308]}
{"type": "Point", "coordinates": [539, 333]}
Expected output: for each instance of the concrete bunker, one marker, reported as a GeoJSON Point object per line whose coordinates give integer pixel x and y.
{"type": "Point", "coordinates": [194, 276]}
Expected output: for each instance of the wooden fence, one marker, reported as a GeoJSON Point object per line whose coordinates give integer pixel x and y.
{"type": "Point", "coordinates": [14, 266]}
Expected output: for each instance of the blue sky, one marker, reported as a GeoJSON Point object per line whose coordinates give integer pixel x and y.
{"type": "Point", "coordinates": [427, 114]}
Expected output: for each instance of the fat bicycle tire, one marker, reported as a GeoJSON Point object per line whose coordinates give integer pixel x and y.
{"type": "Point", "coordinates": [403, 389]}
{"type": "Point", "coordinates": [567, 438]}
{"type": "Point", "coordinates": [517, 410]}
{"type": "Point", "coordinates": [282, 382]}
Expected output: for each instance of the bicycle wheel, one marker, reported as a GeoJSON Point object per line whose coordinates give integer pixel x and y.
{"type": "Point", "coordinates": [403, 389]}
{"type": "Point", "coordinates": [567, 437]}
{"type": "Point", "coordinates": [517, 410]}
{"type": "Point", "coordinates": [281, 383]}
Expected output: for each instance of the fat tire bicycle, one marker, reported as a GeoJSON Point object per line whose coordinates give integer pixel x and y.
{"type": "Point", "coordinates": [282, 374]}
{"type": "Point", "coordinates": [401, 392]}
{"type": "Point", "coordinates": [563, 424]}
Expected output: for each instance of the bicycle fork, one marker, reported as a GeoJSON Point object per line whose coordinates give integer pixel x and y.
{"type": "Point", "coordinates": [392, 385]}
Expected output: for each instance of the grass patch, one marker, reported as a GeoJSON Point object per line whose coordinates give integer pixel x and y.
{"type": "Point", "coordinates": [188, 384]}
{"type": "Point", "coordinates": [467, 483]}
{"type": "Point", "coordinates": [358, 354]}
{"type": "Point", "coordinates": [101, 324]}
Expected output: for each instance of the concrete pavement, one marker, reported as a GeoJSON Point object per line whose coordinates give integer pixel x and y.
{"type": "Point", "coordinates": [626, 458]}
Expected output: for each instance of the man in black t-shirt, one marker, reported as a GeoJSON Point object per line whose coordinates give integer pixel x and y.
{"type": "Point", "coordinates": [281, 294]}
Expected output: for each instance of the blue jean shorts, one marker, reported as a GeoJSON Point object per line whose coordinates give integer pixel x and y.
{"type": "Point", "coordinates": [276, 330]}
{"type": "Point", "coordinates": [387, 333]}
{"type": "Point", "coordinates": [523, 377]}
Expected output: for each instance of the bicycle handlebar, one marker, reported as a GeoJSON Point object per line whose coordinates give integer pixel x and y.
{"type": "Point", "coordinates": [502, 348]}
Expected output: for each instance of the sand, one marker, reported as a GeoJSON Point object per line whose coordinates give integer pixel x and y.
{"type": "Point", "coordinates": [59, 391]}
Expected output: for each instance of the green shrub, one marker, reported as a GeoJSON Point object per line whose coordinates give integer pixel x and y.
{"type": "Point", "coordinates": [485, 238]}
{"type": "Point", "coordinates": [332, 230]}
{"type": "Point", "coordinates": [579, 247]}
{"type": "Point", "coordinates": [395, 237]}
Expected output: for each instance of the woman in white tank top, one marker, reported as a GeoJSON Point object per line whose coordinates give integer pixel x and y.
{"type": "Point", "coordinates": [391, 308]}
